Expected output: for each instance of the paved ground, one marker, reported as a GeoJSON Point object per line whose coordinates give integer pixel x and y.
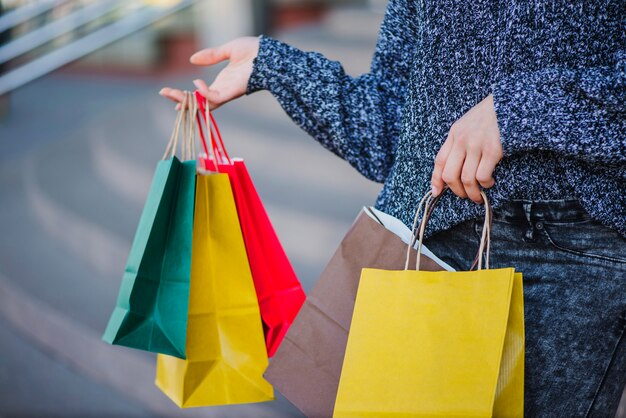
{"type": "Point", "coordinates": [76, 160]}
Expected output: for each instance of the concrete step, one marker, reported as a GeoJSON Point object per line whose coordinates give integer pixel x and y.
{"type": "Point", "coordinates": [25, 393]}
{"type": "Point", "coordinates": [51, 108]}
{"type": "Point", "coordinates": [31, 251]}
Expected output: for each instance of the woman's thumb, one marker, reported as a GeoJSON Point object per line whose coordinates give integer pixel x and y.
{"type": "Point", "coordinates": [213, 96]}
{"type": "Point", "coordinates": [210, 56]}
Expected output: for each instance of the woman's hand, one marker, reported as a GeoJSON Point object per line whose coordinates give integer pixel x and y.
{"type": "Point", "coordinates": [232, 81]}
{"type": "Point", "coordinates": [470, 154]}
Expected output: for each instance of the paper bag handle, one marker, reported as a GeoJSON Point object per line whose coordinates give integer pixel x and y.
{"type": "Point", "coordinates": [184, 126]}
{"type": "Point", "coordinates": [215, 137]}
{"type": "Point", "coordinates": [427, 205]}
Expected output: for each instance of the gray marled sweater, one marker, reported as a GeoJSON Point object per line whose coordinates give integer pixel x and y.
{"type": "Point", "coordinates": [557, 71]}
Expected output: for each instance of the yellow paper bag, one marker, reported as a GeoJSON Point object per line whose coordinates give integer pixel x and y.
{"type": "Point", "coordinates": [226, 354]}
{"type": "Point", "coordinates": [435, 344]}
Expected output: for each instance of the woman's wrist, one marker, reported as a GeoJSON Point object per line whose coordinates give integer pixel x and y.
{"type": "Point", "coordinates": [258, 78]}
{"type": "Point", "coordinates": [275, 62]}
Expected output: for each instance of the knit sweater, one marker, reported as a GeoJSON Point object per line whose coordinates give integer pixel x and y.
{"type": "Point", "coordinates": [557, 72]}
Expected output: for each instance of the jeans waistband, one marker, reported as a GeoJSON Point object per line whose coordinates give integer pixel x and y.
{"type": "Point", "coordinates": [541, 210]}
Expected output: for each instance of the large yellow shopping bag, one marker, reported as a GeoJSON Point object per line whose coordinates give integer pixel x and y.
{"type": "Point", "coordinates": [225, 347]}
{"type": "Point", "coordinates": [436, 344]}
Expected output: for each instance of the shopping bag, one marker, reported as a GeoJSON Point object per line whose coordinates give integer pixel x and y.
{"type": "Point", "coordinates": [278, 290]}
{"type": "Point", "coordinates": [151, 311]}
{"type": "Point", "coordinates": [226, 353]}
{"type": "Point", "coordinates": [435, 344]}
{"type": "Point", "coordinates": [307, 365]}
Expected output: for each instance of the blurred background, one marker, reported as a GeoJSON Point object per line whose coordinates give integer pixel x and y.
{"type": "Point", "coordinates": [81, 130]}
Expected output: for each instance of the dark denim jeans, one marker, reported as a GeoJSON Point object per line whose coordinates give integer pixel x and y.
{"type": "Point", "coordinates": [574, 272]}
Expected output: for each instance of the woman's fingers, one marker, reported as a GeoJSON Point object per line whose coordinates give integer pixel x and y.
{"type": "Point", "coordinates": [464, 171]}
{"type": "Point", "coordinates": [211, 56]}
{"type": "Point", "coordinates": [436, 182]}
{"type": "Point", "coordinates": [174, 95]}
{"type": "Point", "coordinates": [475, 151]}
{"type": "Point", "coordinates": [232, 81]}
{"type": "Point", "coordinates": [211, 94]}
{"type": "Point", "coordinates": [484, 173]}
{"type": "Point", "coordinates": [468, 176]}
{"type": "Point", "coordinates": [229, 84]}
{"type": "Point", "coordinates": [451, 174]}
{"type": "Point", "coordinates": [202, 87]}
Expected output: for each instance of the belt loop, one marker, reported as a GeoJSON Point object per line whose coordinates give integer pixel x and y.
{"type": "Point", "coordinates": [528, 206]}
{"type": "Point", "coordinates": [530, 232]}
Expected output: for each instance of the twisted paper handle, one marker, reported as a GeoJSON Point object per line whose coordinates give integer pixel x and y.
{"type": "Point", "coordinates": [427, 205]}
{"type": "Point", "coordinates": [185, 127]}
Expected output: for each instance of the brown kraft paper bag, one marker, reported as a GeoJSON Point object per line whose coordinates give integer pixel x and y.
{"type": "Point", "coordinates": [307, 366]}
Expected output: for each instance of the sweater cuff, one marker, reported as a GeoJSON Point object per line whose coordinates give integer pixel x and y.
{"type": "Point", "coordinates": [271, 63]}
{"type": "Point", "coordinates": [510, 101]}
{"type": "Point", "coordinates": [531, 109]}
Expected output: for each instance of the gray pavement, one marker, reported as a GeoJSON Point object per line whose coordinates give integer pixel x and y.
{"type": "Point", "coordinates": [76, 160]}
{"type": "Point", "coordinates": [56, 389]}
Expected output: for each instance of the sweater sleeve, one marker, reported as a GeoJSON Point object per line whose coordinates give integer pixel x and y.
{"type": "Point", "coordinates": [578, 113]}
{"type": "Point", "coordinates": [356, 118]}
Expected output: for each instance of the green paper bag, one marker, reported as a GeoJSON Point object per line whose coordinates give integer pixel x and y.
{"type": "Point", "coordinates": [151, 311]}
{"type": "Point", "coordinates": [152, 305]}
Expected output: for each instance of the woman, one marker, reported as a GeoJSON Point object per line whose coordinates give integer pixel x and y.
{"type": "Point", "coordinates": [524, 99]}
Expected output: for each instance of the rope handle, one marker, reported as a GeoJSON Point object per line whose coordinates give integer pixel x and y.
{"type": "Point", "coordinates": [170, 150]}
{"type": "Point", "coordinates": [209, 154]}
{"type": "Point", "coordinates": [215, 137]}
{"type": "Point", "coordinates": [190, 132]}
{"type": "Point", "coordinates": [427, 205]}
{"type": "Point", "coordinates": [184, 126]}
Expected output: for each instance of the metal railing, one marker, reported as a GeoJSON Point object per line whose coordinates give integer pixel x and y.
{"type": "Point", "coordinates": [129, 20]}
{"type": "Point", "coordinates": [25, 13]}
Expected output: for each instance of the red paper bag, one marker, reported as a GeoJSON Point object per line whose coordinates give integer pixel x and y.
{"type": "Point", "coordinates": [278, 290]}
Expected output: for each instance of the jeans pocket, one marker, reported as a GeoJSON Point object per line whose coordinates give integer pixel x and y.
{"type": "Point", "coordinates": [588, 239]}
